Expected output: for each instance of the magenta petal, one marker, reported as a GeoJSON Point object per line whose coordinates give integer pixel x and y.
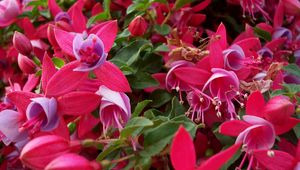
{"type": "Point", "coordinates": [255, 103]}
{"type": "Point", "coordinates": [233, 127]}
{"type": "Point", "coordinates": [192, 75]}
{"type": "Point", "coordinates": [112, 77]}
{"type": "Point", "coordinates": [221, 32]}
{"type": "Point", "coordinates": [285, 127]}
{"type": "Point", "coordinates": [64, 40]}
{"type": "Point", "coordinates": [182, 152]}
{"type": "Point", "coordinates": [65, 80]}
{"type": "Point", "coordinates": [78, 103]}
{"type": "Point", "coordinates": [107, 33]}
{"type": "Point", "coordinates": [278, 159]}
{"type": "Point", "coordinates": [21, 99]}
{"type": "Point", "coordinates": [9, 126]}
{"type": "Point", "coordinates": [31, 82]}
{"type": "Point", "coordinates": [86, 124]}
{"type": "Point", "coordinates": [234, 57]}
{"type": "Point", "coordinates": [77, 17]}
{"type": "Point", "coordinates": [216, 59]}
{"type": "Point", "coordinates": [9, 11]}
{"type": "Point", "coordinates": [218, 160]}
{"type": "Point", "coordinates": [53, 7]}
{"type": "Point", "coordinates": [48, 71]}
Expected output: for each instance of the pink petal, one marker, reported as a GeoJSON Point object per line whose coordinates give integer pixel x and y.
{"type": "Point", "coordinates": [112, 77]}
{"type": "Point", "coordinates": [233, 127]}
{"type": "Point", "coordinates": [182, 151]}
{"type": "Point", "coordinates": [249, 43]}
{"type": "Point", "coordinates": [287, 126]}
{"type": "Point", "coordinates": [221, 31]}
{"type": "Point", "coordinates": [31, 83]}
{"type": "Point", "coordinates": [255, 103]}
{"type": "Point", "coordinates": [53, 7]}
{"type": "Point", "coordinates": [107, 33]}
{"type": "Point", "coordinates": [217, 161]}
{"type": "Point", "coordinates": [21, 99]}
{"type": "Point", "coordinates": [77, 17]}
{"type": "Point", "coordinates": [78, 103]}
{"type": "Point", "coordinates": [64, 40]}
{"type": "Point", "coordinates": [274, 44]}
{"type": "Point", "coordinates": [279, 15]}
{"type": "Point", "coordinates": [280, 160]}
{"type": "Point", "coordinates": [48, 70]}
{"type": "Point", "coordinates": [202, 5]}
{"type": "Point", "coordinates": [192, 75]}
{"type": "Point", "coordinates": [27, 26]}
{"type": "Point", "coordinates": [64, 80]}
{"type": "Point", "coordinates": [86, 124]}
{"type": "Point", "coordinates": [216, 58]}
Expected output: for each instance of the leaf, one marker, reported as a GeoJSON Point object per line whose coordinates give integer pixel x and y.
{"type": "Point", "coordinates": [59, 63]}
{"type": "Point", "coordinates": [135, 124]}
{"type": "Point", "coordinates": [162, 48]}
{"type": "Point", "coordinates": [99, 17]}
{"type": "Point", "coordinates": [112, 147]}
{"type": "Point", "coordinates": [140, 107]}
{"type": "Point", "coordinates": [297, 130]}
{"type": "Point", "coordinates": [293, 69]}
{"type": "Point", "coordinates": [181, 3]}
{"type": "Point", "coordinates": [142, 80]}
{"type": "Point", "coordinates": [262, 34]}
{"type": "Point", "coordinates": [163, 29]}
{"type": "Point", "coordinates": [160, 97]}
{"type": "Point", "coordinates": [235, 157]}
{"type": "Point", "coordinates": [292, 88]}
{"type": "Point", "coordinates": [176, 108]}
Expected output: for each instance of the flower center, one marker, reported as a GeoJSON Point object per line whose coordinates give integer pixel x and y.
{"type": "Point", "coordinates": [34, 124]}
{"type": "Point", "coordinates": [88, 55]}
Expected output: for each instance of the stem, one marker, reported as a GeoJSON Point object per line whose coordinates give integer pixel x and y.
{"type": "Point", "coordinates": [122, 159]}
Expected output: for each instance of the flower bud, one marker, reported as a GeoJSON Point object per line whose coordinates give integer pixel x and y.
{"type": "Point", "coordinates": [26, 65]}
{"type": "Point", "coordinates": [39, 152]}
{"type": "Point", "coordinates": [22, 43]}
{"type": "Point", "coordinates": [138, 26]}
{"type": "Point", "coordinates": [72, 161]}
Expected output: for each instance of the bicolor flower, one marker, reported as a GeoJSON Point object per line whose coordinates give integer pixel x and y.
{"type": "Point", "coordinates": [183, 156]}
{"type": "Point", "coordinates": [234, 57]}
{"type": "Point", "coordinates": [277, 110]}
{"type": "Point", "coordinates": [89, 51]}
{"type": "Point", "coordinates": [9, 10]}
{"type": "Point", "coordinates": [115, 108]}
{"type": "Point", "coordinates": [254, 132]}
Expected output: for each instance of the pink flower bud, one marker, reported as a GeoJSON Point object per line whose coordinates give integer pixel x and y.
{"type": "Point", "coordinates": [26, 65]}
{"type": "Point", "coordinates": [22, 43]}
{"type": "Point", "coordinates": [39, 152]}
{"type": "Point", "coordinates": [138, 26]}
{"type": "Point", "coordinates": [72, 161]}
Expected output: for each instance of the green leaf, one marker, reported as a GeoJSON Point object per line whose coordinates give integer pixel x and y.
{"type": "Point", "coordinates": [160, 97]}
{"type": "Point", "coordinates": [111, 148]}
{"type": "Point", "coordinates": [136, 7]}
{"type": "Point", "coordinates": [262, 34]}
{"type": "Point", "coordinates": [140, 107]}
{"type": "Point", "coordinates": [278, 92]}
{"type": "Point", "coordinates": [234, 158]}
{"type": "Point", "coordinates": [142, 80]}
{"type": "Point", "coordinates": [127, 70]}
{"type": "Point", "coordinates": [59, 63]}
{"type": "Point", "coordinates": [151, 63]}
{"type": "Point", "coordinates": [162, 48]}
{"type": "Point", "coordinates": [163, 29]}
{"type": "Point", "coordinates": [135, 125]}
{"type": "Point", "coordinates": [99, 17]}
{"type": "Point", "coordinates": [181, 3]}
{"type": "Point", "coordinates": [36, 61]}
{"type": "Point", "coordinates": [297, 130]}
{"type": "Point", "coordinates": [176, 108]}
{"type": "Point", "coordinates": [293, 69]}
{"type": "Point", "coordinates": [292, 88]}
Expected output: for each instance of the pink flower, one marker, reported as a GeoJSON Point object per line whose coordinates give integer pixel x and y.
{"type": "Point", "coordinates": [253, 132]}
{"type": "Point", "coordinates": [277, 110]}
{"type": "Point", "coordinates": [22, 43]}
{"type": "Point", "coordinates": [9, 10]}
{"type": "Point", "coordinates": [89, 51]}
{"type": "Point", "coordinates": [72, 161]}
{"type": "Point", "coordinates": [115, 108]}
{"type": "Point", "coordinates": [183, 156]}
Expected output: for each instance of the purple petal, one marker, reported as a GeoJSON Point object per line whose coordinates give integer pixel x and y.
{"type": "Point", "coordinates": [234, 57]}
{"type": "Point", "coordinates": [281, 32]}
{"type": "Point", "coordinates": [9, 126]}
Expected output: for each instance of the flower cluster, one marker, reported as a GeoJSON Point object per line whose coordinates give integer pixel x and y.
{"type": "Point", "coordinates": [123, 84]}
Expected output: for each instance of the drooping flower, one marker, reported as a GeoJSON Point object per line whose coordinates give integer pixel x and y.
{"type": "Point", "coordinates": [89, 51]}
{"type": "Point", "coordinates": [115, 108]}
{"type": "Point", "coordinates": [22, 43]}
{"type": "Point", "coordinates": [9, 10]}
{"type": "Point", "coordinates": [254, 132]}
{"type": "Point", "coordinates": [234, 57]}
{"type": "Point", "coordinates": [183, 156]}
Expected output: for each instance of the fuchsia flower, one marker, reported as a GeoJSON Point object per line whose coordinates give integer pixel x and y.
{"type": "Point", "coordinates": [183, 156]}
{"type": "Point", "coordinates": [89, 51]}
{"type": "Point", "coordinates": [277, 110]}
{"type": "Point", "coordinates": [9, 10]}
{"type": "Point", "coordinates": [254, 132]}
{"type": "Point", "coordinates": [115, 108]}
{"type": "Point", "coordinates": [40, 151]}
{"type": "Point", "coordinates": [72, 161]}
{"type": "Point", "coordinates": [22, 43]}
{"type": "Point", "coordinates": [234, 57]}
